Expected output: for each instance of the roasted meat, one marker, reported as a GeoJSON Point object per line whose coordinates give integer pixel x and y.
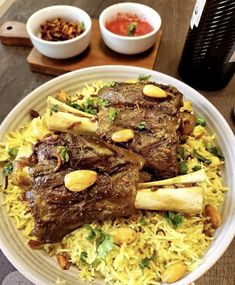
{"type": "Point", "coordinates": [57, 211]}
{"type": "Point", "coordinates": [155, 122]}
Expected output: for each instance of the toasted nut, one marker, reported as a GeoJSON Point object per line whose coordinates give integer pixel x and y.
{"type": "Point", "coordinates": [79, 180]}
{"type": "Point", "coordinates": [154, 91]}
{"type": "Point", "coordinates": [63, 261]}
{"type": "Point", "coordinates": [174, 272]}
{"type": "Point", "coordinates": [123, 235]}
{"type": "Point", "coordinates": [214, 215]}
{"type": "Point", "coordinates": [62, 96]}
{"type": "Point", "coordinates": [35, 244]}
{"type": "Point", "coordinates": [123, 135]}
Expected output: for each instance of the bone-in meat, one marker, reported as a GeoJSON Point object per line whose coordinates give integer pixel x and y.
{"type": "Point", "coordinates": [155, 122]}
{"type": "Point", "coordinates": [56, 210]}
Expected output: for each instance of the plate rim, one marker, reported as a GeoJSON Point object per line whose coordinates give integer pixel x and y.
{"type": "Point", "coordinates": [201, 269]}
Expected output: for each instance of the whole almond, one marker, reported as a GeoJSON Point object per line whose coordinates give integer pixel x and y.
{"type": "Point", "coordinates": [123, 235]}
{"type": "Point", "coordinates": [174, 272]}
{"type": "Point", "coordinates": [123, 135]}
{"type": "Point", "coordinates": [213, 214]}
{"type": "Point", "coordinates": [154, 91]}
{"type": "Point", "coordinates": [63, 261]}
{"type": "Point", "coordinates": [80, 180]}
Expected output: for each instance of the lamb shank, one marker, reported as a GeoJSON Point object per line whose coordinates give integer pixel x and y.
{"type": "Point", "coordinates": [155, 128]}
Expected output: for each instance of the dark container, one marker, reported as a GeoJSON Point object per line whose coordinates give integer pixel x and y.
{"type": "Point", "coordinates": [207, 60]}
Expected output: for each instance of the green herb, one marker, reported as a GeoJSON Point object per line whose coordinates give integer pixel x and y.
{"type": "Point", "coordinates": [95, 263]}
{"type": "Point", "coordinates": [143, 221]}
{"type": "Point", "coordinates": [200, 157]}
{"type": "Point", "coordinates": [183, 167]}
{"type": "Point", "coordinates": [145, 262]}
{"type": "Point", "coordinates": [87, 108]}
{"type": "Point", "coordinates": [75, 106]}
{"type": "Point", "coordinates": [82, 26]}
{"type": "Point", "coordinates": [104, 244]}
{"type": "Point", "coordinates": [83, 256]}
{"type": "Point", "coordinates": [174, 219]}
{"type": "Point", "coordinates": [131, 29]}
{"type": "Point", "coordinates": [7, 169]}
{"type": "Point", "coordinates": [111, 83]}
{"type": "Point", "coordinates": [112, 114]}
{"type": "Point", "coordinates": [200, 122]}
{"type": "Point", "coordinates": [54, 109]}
{"type": "Point", "coordinates": [13, 152]}
{"type": "Point", "coordinates": [103, 102]}
{"type": "Point", "coordinates": [90, 108]}
{"type": "Point", "coordinates": [141, 126]}
{"type": "Point", "coordinates": [196, 168]}
{"type": "Point", "coordinates": [91, 234]}
{"type": "Point", "coordinates": [215, 150]}
{"type": "Point", "coordinates": [143, 77]}
{"type": "Point", "coordinates": [63, 152]}
{"type": "Point", "coordinates": [181, 152]}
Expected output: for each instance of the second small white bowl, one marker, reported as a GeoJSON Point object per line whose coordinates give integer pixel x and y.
{"type": "Point", "coordinates": [59, 49]}
{"type": "Point", "coordinates": [126, 44]}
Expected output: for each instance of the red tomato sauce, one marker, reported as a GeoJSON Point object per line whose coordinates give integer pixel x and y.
{"type": "Point", "coordinates": [128, 25]}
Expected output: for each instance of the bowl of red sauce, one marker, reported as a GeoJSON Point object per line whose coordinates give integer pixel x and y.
{"type": "Point", "coordinates": [129, 28]}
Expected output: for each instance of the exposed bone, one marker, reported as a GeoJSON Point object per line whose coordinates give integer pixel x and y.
{"type": "Point", "coordinates": [66, 108]}
{"type": "Point", "coordinates": [184, 200]}
{"type": "Point", "coordinates": [66, 122]}
{"type": "Point", "coordinates": [194, 177]}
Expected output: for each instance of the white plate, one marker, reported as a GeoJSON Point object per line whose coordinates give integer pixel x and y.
{"type": "Point", "coordinates": [42, 269]}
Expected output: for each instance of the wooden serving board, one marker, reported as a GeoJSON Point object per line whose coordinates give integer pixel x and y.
{"type": "Point", "coordinates": [14, 33]}
{"type": "Point", "coordinates": [96, 54]}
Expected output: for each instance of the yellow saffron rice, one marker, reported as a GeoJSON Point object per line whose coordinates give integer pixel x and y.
{"type": "Point", "coordinates": [157, 244]}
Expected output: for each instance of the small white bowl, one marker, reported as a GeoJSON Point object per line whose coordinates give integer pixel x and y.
{"type": "Point", "coordinates": [126, 44]}
{"type": "Point", "coordinates": [59, 49]}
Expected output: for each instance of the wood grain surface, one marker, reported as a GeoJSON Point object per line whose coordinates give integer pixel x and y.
{"type": "Point", "coordinates": [96, 54]}
{"type": "Point", "coordinates": [17, 80]}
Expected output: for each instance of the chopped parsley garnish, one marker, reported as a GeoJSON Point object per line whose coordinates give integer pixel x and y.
{"type": "Point", "coordinates": [91, 234]}
{"type": "Point", "coordinates": [145, 262]}
{"type": "Point", "coordinates": [200, 122]}
{"type": "Point", "coordinates": [13, 152]}
{"type": "Point", "coordinates": [95, 263]}
{"type": "Point", "coordinates": [183, 167]}
{"type": "Point", "coordinates": [196, 168]}
{"type": "Point", "coordinates": [82, 25]}
{"type": "Point", "coordinates": [75, 106]}
{"type": "Point", "coordinates": [141, 126]}
{"type": "Point", "coordinates": [83, 256]}
{"type": "Point", "coordinates": [104, 243]}
{"type": "Point", "coordinates": [88, 107]}
{"type": "Point", "coordinates": [174, 219]}
{"type": "Point", "coordinates": [54, 109]}
{"type": "Point", "coordinates": [200, 157]}
{"type": "Point", "coordinates": [112, 114]}
{"type": "Point", "coordinates": [111, 83]}
{"type": "Point", "coordinates": [181, 152]}
{"type": "Point", "coordinates": [103, 102]}
{"type": "Point", "coordinates": [131, 29]}
{"type": "Point", "coordinates": [143, 77]}
{"type": "Point", "coordinates": [143, 221]}
{"type": "Point", "coordinates": [63, 152]}
{"type": "Point", "coordinates": [215, 150]}
{"type": "Point", "coordinates": [7, 169]}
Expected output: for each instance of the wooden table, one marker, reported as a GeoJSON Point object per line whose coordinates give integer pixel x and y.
{"type": "Point", "coordinates": [16, 81]}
